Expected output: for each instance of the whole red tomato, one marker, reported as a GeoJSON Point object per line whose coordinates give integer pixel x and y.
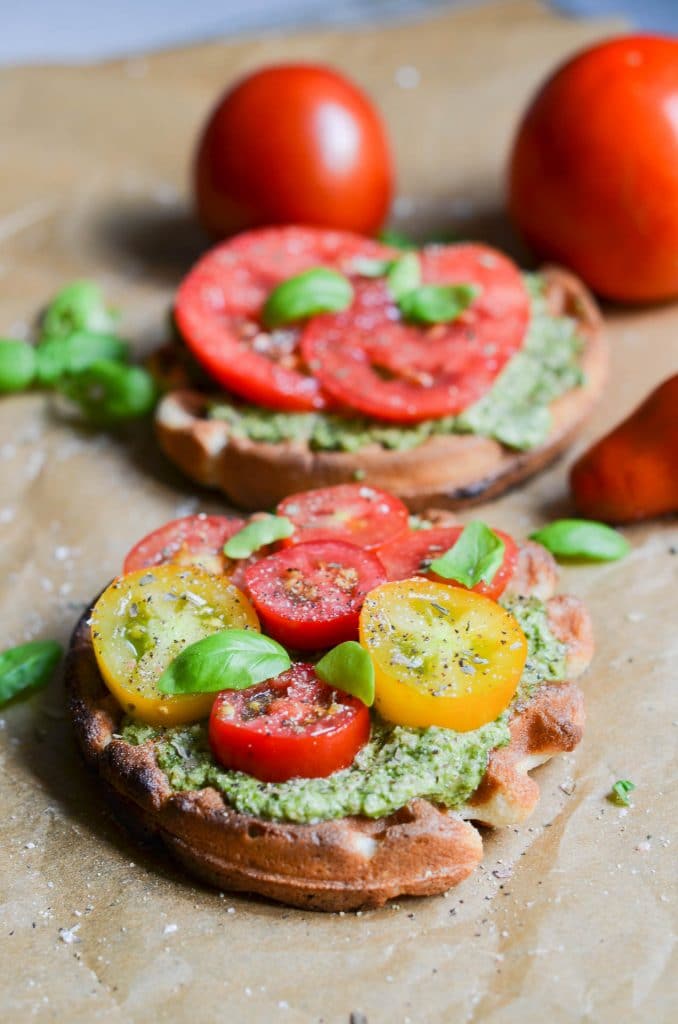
{"type": "Point", "coordinates": [293, 144]}
{"type": "Point", "coordinates": [594, 169]}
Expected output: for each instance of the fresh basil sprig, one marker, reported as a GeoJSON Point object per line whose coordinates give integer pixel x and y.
{"type": "Point", "coordinates": [232, 659]}
{"type": "Point", "coordinates": [319, 290]}
{"type": "Point", "coordinates": [79, 306]}
{"type": "Point", "coordinates": [27, 667]}
{"type": "Point", "coordinates": [348, 667]}
{"type": "Point", "coordinates": [17, 365]}
{"type": "Point", "coordinates": [258, 534]}
{"type": "Point", "coordinates": [582, 538]}
{"type": "Point", "coordinates": [403, 275]}
{"type": "Point", "coordinates": [77, 352]}
{"type": "Point", "coordinates": [621, 791]}
{"type": "Point", "coordinates": [437, 303]}
{"type": "Point", "coordinates": [475, 557]}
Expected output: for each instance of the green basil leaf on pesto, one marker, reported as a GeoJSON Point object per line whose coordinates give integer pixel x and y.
{"type": "Point", "coordinates": [474, 558]}
{"type": "Point", "coordinates": [319, 290]}
{"type": "Point", "coordinates": [258, 534]}
{"type": "Point", "coordinates": [232, 659]}
{"type": "Point", "coordinates": [348, 667]}
{"type": "Point", "coordinates": [27, 668]}
{"type": "Point", "coordinates": [437, 303]}
{"type": "Point", "coordinates": [79, 306]}
{"type": "Point", "coordinates": [403, 275]}
{"type": "Point", "coordinates": [582, 538]}
{"type": "Point", "coordinates": [620, 792]}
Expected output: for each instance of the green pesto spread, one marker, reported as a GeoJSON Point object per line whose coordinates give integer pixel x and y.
{"type": "Point", "coordinates": [397, 765]}
{"type": "Point", "coordinates": [515, 411]}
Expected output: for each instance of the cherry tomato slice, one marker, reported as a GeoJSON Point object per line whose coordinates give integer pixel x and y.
{"type": "Point", "coordinates": [367, 358]}
{"type": "Point", "coordinates": [350, 512]}
{"type": "Point", "coordinates": [288, 727]}
{"type": "Point", "coordinates": [309, 596]}
{"type": "Point", "coordinates": [193, 541]}
{"type": "Point", "coordinates": [218, 310]}
{"type": "Point", "coordinates": [411, 555]}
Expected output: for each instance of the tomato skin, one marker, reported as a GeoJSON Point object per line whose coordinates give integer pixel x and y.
{"type": "Point", "coordinates": [295, 143]}
{"type": "Point", "coordinates": [192, 540]}
{"type": "Point", "coordinates": [309, 596]}
{"type": "Point", "coordinates": [327, 731]}
{"type": "Point", "coordinates": [406, 557]}
{"type": "Point", "coordinates": [593, 179]}
{"type": "Point", "coordinates": [355, 513]}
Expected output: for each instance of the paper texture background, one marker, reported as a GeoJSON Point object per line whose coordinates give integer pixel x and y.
{"type": "Point", "coordinates": [569, 919]}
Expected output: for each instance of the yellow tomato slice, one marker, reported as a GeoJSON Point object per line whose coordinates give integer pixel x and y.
{"type": "Point", "coordinates": [442, 655]}
{"type": "Point", "coordinates": [145, 619]}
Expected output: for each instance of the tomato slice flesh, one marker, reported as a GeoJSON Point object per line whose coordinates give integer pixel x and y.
{"type": "Point", "coordinates": [412, 553]}
{"type": "Point", "coordinates": [288, 727]}
{"type": "Point", "coordinates": [218, 310]}
{"type": "Point", "coordinates": [191, 541]}
{"type": "Point", "coordinates": [368, 359]}
{"type": "Point", "coordinates": [355, 513]}
{"type": "Point", "coordinates": [309, 596]}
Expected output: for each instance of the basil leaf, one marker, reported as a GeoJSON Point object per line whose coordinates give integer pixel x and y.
{"type": "Point", "coordinates": [232, 659]}
{"type": "Point", "coordinates": [314, 291]}
{"type": "Point", "coordinates": [257, 534]}
{"type": "Point", "coordinates": [437, 303]}
{"type": "Point", "coordinates": [79, 306]}
{"type": "Point", "coordinates": [27, 667]}
{"type": "Point", "coordinates": [17, 365]}
{"type": "Point", "coordinates": [620, 792]}
{"type": "Point", "coordinates": [109, 392]}
{"type": "Point", "coordinates": [349, 668]}
{"type": "Point", "coordinates": [404, 275]}
{"type": "Point", "coordinates": [396, 239]}
{"type": "Point", "coordinates": [582, 538]}
{"type": "Point", "coordinates": [365, 267]}
{"type": "Point", "coordinates": [77, 352]}
{"type": "Point", "coordinates": [475, 557]}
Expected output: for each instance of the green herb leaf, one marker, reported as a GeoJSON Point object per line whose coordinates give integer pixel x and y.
{"type": "Point", "coordinates": [77, 352]}
{"type": "Point", "coordinates": [437, 303]}
{"type": "Point", "coordinates": [79, 306]}
{"type": "Point", "coordinates": [17, 365]}
{"type": "Point", "coordinates": [27, 668]}
{"type": "Point", "coordinates": [314, 291]}
{"type": "Point", "coordinates": [620, 792]}
{"type": "Point", "coordinates": [109, 392]}
{"type": "Point", "coordinates": [349, 668]}
{"type": "Point", "coordinates": [257, 534]}
{"type": "Point", "coordinates": [404, 275]}
{"type": "Point", "coordinates": [365, 267]}
{"type": "Point", "coordinates": [476, 556]}
{"type": "Point", "coordinates": [582, 538]}
{"type": "Point", "coordinates": [229, 660]}
{"type": "Point", "coordinates": [396, 239]}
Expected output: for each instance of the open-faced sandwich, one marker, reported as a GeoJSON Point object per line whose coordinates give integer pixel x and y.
{"type": "Point", "coordinates": [443, 375]}
{"type": "Point", "coordinates": [315, 705]}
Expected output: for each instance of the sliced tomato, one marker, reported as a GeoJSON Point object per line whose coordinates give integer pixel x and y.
{"type": "Point", "coordinates": [309, 596]}
{"type": "Point", "coordinates": [288, 727]}
{"type": "Point", "coordinates": [218, 310]}
{"type": "Point", "coordinates": [412, 553]}
{"type": "Point", "coordinates": [367, 358]}
{"type": "Point", "coordinates": [193, 541]}
{"type": "Point", "coordinates": [355, 513]}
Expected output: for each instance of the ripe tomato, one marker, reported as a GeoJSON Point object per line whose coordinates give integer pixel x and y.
{"type": "Point", "coordinates": [289, 144]}
{"type": "Point", "coordinates": [594, 170]}
{"type": "Point", "coordinates": [191, 541]}
{"type": "Point", "coordinates": [288, 727]}
{"type": "Point", "coordinates": [145, 619]}
{"type": "Point", "coordinates": [309, 596]}
{"type": "Point", "coordinates": [411, 555]}
{"type": "Point", "coordinates": [442, 655]}
{"type": "Point", "coordinates": [355, 513]}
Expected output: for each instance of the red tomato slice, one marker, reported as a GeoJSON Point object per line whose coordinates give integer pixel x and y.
{"type": "Point", "coordinates": [218, 309]}
{"type": "Point", "coordinates": [370, 360]}
{"type": "Point", "coordinates": [350, 512]}
{"type": "Point", "coordinates": [412, 554]}
{"type": "Point", "coordinates": [194, 540]}
{"type": "Point", "coordinates": [288, 727]}
{"type": "Point", "coordinates": [309, 596]}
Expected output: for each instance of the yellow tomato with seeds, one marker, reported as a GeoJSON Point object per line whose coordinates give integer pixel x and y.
{"type": "Point", "coordinates": [442, 655]}
{"type": "Point", "coordinates": [144, 619]}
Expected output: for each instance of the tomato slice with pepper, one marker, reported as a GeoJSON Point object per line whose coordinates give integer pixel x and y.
{"type": "Point", "coordinates": [288, 727]}
{"type": "Point", "coordinates": [411, 554]}
{"type": "Point", "coordinates": [442, 655]}
{"type": "Point", "coordinates": [190, 541]}
{"type": "Point", "coordinates": [218, 310]}
{"type": "Point", "coordinates": [309, 596]}
{"type": "Point", "coordinates": [369, 359]}
{"type": "Point", "coordinates": [355, 513]}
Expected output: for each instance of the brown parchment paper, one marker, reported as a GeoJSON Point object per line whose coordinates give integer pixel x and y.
{"type": "Point", "coordinates": [570, 918]}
